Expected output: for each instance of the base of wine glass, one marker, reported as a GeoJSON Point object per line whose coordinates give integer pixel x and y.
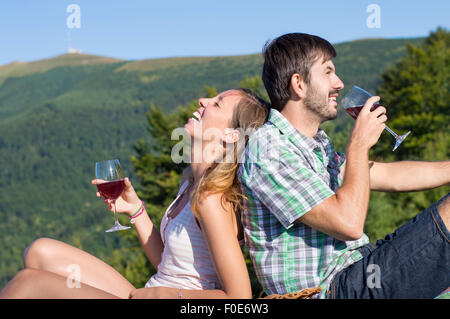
{"type": "Point", "coordinates": [399, 139]}
{"type": "Point", "coordinates": [117, 227]}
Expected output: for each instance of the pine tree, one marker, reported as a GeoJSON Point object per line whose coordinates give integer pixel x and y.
{"type": "Point", "coordinates": [416, 93]}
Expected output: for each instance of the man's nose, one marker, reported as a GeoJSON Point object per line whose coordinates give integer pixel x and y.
{"type": "Point", "coordinates": [339, 85]}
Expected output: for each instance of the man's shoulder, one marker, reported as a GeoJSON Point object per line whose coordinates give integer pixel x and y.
{"type": "Point", "coordinates": [267, 134]}
{"type": "Point", "coordinates": [258, 149]}
{"type": "Point", "coordinates": [265, 129]}
{"type": "Point", "coordinates": [263, 143]}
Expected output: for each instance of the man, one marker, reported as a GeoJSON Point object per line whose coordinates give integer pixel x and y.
{"type": "Point", "coordinates": [307, 203]}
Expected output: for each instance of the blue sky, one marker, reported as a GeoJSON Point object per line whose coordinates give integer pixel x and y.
{"type": "Point", "coordinates": [32, 30]}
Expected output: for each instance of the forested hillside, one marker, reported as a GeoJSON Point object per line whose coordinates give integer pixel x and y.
{"type": "Point", "coordinates": [58, 116]}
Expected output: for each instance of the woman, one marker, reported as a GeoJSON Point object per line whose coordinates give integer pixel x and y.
{"type": "Point", "coordinates": [197, 252]}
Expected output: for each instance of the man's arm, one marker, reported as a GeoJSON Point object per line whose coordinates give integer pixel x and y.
{"type": "Point", "coordinates": [408, 176]}
{"type": "Point", "coordinates": [343, 215]}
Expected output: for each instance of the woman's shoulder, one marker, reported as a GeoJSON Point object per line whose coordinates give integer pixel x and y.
{"type": "Point", "coordinates": [220, 216]}
{"type": "Point", "coordinates": [213, 202]}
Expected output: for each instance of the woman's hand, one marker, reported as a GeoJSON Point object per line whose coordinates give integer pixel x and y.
{"type": "Point", "coordinates": [128, 202]}
{"type": "Point", "coordinates": [154, 293]}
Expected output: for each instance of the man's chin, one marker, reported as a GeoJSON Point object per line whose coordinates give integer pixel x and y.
{"type": "Point", "coordinates": [329, 117]}
{"type": "Point", "coordinates": [333, 113]}
{"type": "Point", "coordinates": [334, 116]}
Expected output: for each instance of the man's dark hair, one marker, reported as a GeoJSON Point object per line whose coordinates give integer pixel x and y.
{"type": "Point", "coordinates": [289, 54]}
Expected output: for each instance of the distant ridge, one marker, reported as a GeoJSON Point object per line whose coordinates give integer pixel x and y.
{"type": "Point", "coordinates": [19, 68]}
{"type": "Point", "coordinates": [147, 65]}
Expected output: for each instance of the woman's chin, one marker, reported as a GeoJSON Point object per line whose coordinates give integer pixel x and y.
{"type": "Point", "coordinates": [193, 128]}
{"type": "Point", "coordinates": [189, 128]}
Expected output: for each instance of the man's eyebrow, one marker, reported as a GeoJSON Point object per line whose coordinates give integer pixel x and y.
{"type": "Point", "coordinates": [329, 68]}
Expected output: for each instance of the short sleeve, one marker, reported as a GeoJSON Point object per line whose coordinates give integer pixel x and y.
{"type": "Point", "coordinates": [335, 169]}
{"type": "Point", "coordinates": [285, 185]}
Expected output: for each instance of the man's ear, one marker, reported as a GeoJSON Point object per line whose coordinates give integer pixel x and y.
{"type": "Point", "coordinates": [297, 87]}
{"type": "Point", "coordinates": [231, 135]}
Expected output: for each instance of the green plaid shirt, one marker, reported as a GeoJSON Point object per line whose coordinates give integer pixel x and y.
{"type": "Point", "coordinates": [284, 175]}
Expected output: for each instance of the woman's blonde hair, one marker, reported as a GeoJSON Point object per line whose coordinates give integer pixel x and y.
{"type": "Point", "coordinates": [249, 113]}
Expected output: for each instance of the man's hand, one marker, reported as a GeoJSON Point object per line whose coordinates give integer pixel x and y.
{"type": "Point", "coordinates": [368, 125]}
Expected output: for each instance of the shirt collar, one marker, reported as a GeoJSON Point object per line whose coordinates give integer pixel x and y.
{"type": "Point", "coordinates": [319, 140]}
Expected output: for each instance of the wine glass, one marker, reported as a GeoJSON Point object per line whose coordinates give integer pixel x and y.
{"type": "Point", "coordinates": [354, 101]}
{"type": "Point", "coordinates": [110, 171]}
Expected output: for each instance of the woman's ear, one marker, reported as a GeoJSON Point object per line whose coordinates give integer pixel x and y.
{"type": "Point", "coordinates": [231, 135]}
{"type": "Point", "coordinates": [297, 87]}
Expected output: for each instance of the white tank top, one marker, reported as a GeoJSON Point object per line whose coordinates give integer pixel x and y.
{"type": "Point", "coordinates": [186, 262]}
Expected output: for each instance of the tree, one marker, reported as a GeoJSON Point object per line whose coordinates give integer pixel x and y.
{"type": "Point", "coordinates": [416, 93]}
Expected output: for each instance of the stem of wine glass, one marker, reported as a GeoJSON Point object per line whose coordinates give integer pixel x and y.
{"type": "Point", "coordinates": [116, 220]}
{"type": "Point", "coordinates": [391, 131]}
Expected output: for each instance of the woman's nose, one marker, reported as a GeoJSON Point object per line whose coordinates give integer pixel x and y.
{"type": "Point", "coordinates": [203, 102]}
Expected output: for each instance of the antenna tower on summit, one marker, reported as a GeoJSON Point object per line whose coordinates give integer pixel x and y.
{"type": "Point", "coordinates": [71, 50]}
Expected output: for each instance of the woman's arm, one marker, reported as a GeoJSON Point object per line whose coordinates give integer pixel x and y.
{"type": "Point", "coordinates": [219, 226]}
{"type": "Point", "coordinates": [176, 293]}
{"type": "Point", "coordinates": [149, 237]}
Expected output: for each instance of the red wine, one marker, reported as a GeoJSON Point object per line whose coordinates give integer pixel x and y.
{"type": "Point", "coordinates": [111, 190]}
{"type": "Point", "coordinates": [354, 111]}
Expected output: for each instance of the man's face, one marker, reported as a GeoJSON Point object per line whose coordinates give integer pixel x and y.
{"type": "Point", "coordinates": [322, 90]}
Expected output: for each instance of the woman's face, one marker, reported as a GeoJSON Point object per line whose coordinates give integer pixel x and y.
{"type": "Point", "coordinates": [213, 116]}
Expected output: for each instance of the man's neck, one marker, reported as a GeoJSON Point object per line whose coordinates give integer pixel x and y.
{"type": "Point", "coordinates": [300, 118]}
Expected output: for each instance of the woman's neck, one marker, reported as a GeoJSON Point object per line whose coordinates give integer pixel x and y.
{"type": "Point", "coordinates": [198, 169]}
{"type": "Point", "coordinates": [200, 160]}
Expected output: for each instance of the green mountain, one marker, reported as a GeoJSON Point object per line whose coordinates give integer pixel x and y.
{"type": "Point", "coordinates": [60, 115]}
